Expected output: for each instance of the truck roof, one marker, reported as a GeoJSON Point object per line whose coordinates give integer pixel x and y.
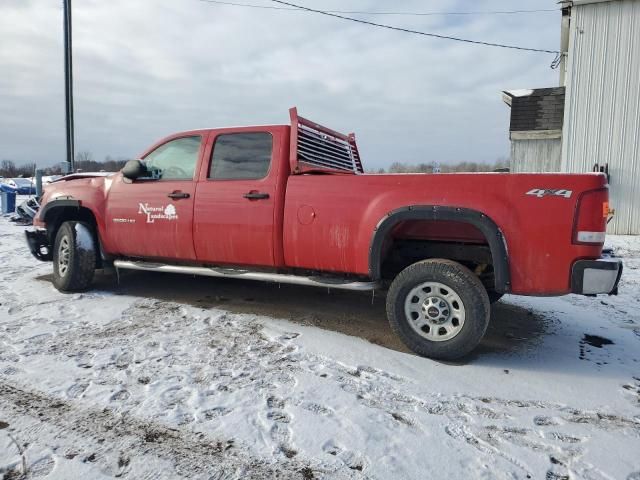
{"type": "Point", "coordinates": [229, 127]}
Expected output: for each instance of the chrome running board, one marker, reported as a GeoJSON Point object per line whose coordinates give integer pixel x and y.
{"type": "Point", "coordinates": [327, 282]}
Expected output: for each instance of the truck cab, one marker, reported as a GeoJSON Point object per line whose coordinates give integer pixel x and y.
{"type": "Point", "coordinates": [211, 196]}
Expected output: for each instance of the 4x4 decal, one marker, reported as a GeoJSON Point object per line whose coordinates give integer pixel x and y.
{"type": "Point", "coordinates": [546, 192]}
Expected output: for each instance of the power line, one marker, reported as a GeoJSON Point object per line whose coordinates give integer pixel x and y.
{"type": "Point", "coordinates": [362, 12]}
{"type": "Point", "coordinates": [338, 14]}
{"type": "Point", "coordinates": [417, 32]}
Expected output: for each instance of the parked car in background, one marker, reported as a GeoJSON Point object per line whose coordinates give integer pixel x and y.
{"type": "Point", "coordinates": [6, 188]}
{"type": "Point", "coordinates": [22, 186]}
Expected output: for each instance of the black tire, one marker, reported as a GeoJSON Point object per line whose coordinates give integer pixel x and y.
{"type": "Point", "coordinates": [74, 257]}
{"type": "Point", "coordinates": [464, 284]}
{"type": "Point", "coordinates": [494, 296]}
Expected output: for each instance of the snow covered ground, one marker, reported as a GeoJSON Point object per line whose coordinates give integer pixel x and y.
{"type": "Point", "coordinates": [188, 382]}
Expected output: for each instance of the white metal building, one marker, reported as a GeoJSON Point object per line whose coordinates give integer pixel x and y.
{"type": "Point", "coordinates": [601, 127]}
{"type": "Point", "coordinates": [602, 106]}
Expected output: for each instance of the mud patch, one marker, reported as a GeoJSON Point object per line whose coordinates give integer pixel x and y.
{"type": "Point", "coordinates": [596, 340]}
{"type": "Point", "coordinates": [593, 341]}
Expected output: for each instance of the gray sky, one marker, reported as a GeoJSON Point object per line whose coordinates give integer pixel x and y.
{"type": "Point", "coordinates": [147, 68]}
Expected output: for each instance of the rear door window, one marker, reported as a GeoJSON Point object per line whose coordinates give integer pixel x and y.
{"type": "Point", "coordinates": [241, 156]}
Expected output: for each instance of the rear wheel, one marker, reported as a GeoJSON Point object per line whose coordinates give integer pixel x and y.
{"type": "Point", "coordinates": [438, 308]}
{"type": "Point", "coordinates": [74, 257]}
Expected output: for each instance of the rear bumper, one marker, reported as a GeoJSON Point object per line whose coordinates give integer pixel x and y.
{"type": "Point", "coordinates": [590, 277]}
{"type": "Point", "coordinates": [39, 244]}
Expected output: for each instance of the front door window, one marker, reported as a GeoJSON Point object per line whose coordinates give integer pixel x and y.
{"type": "Point", "coordinates": [174, 160]}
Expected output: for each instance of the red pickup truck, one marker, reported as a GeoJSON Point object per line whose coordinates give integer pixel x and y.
{"type": "Point", "coordinates": [292, 204]}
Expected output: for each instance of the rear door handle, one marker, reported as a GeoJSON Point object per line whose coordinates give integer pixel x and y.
{"type": "Point", "coordinates": [178, 195]}
{"type": "Point", "coordinates": [256, 196]}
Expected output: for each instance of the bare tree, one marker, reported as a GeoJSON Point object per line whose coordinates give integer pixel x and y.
{"type": "Point", "coordinates": [400, 167]}
{"type": "Point", "coordinates": [84, 156]}
{"type": "Point", "coordinates": [55, 170]}
{"type": "Point", "coordinates": [8, 168]}
{"type": "Point", "coordinates": [26, 170]}
{"type": "Point", "coordinates": [86, 163]}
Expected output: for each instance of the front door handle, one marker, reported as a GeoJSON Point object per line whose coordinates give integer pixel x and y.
{"type": "Point", "coordinates": [256, 195]}
{"type": "Point", "coordinates": [178, 195]}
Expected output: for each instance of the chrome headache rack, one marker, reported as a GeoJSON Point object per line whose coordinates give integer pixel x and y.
{"type": "Point", "coordinates": [314, 147]}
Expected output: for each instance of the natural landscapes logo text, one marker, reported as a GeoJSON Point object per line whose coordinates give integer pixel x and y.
{"type": "Point", "coordinates": [158, 213]}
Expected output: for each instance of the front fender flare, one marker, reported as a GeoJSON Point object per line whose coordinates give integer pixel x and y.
{"type": "Point", "coordinates": [482, 222]}
{"type": "Point", "coordinates": [54, 204]}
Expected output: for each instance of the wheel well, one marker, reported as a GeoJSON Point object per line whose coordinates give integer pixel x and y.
{"type": "Point", "coordinates": [412, 234]}
{"type": "Point", "coordinates": [55, 217]}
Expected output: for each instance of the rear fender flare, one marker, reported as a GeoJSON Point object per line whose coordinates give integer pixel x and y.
{"type": "Point", "coordinates": [493, 234]}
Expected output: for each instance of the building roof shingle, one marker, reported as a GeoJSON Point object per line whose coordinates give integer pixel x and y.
{"type": "Point", "coordinates": [537, 109]}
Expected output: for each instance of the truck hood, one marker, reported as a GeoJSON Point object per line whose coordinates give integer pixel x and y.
{"type": "Point", "coordinates": [76, 176]}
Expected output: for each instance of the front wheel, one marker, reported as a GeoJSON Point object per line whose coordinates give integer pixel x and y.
{"type": "Point", "coordinates": [74, 257]}
{"type": "Point", "coordinates": [438, 308]}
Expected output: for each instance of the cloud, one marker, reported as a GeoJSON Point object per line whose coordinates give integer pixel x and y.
{"type": "Point", "coordinates": [147, 68]}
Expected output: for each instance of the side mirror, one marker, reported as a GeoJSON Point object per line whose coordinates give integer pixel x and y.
{"type": "Point", "coordinates": [134, 169]}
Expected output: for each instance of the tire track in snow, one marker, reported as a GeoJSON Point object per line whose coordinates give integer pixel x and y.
{"type": "Point", "coordinates": [119, 444]}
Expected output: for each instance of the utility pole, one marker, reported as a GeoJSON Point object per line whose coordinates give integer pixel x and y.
{"type": "Point", "coordinates": [68, 83]}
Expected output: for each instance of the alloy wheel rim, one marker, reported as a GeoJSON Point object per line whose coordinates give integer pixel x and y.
{"type": "Point", "coordinates": [64, 255]}
{"type": "Point", "coordinates": [435, 311]}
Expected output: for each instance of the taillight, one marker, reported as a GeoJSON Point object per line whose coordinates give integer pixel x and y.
{"type": "Point", "coordinates": [590, 223]}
